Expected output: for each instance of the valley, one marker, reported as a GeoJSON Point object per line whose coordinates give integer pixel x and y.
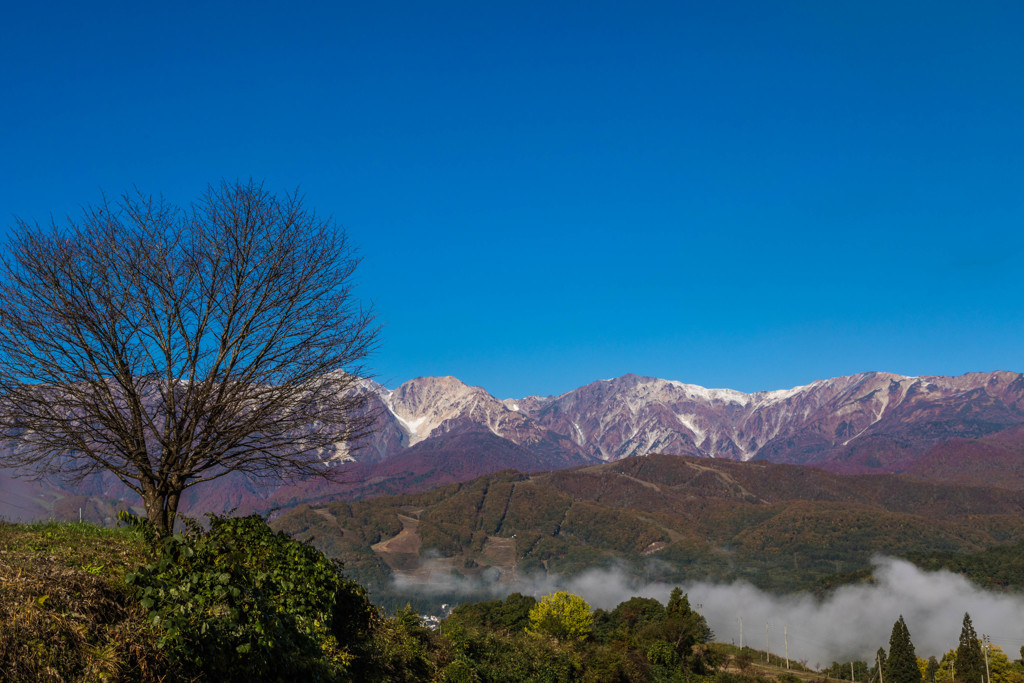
{"type": "Point", "coordinates": [789, 490]}
{"type": "Point", "coordinates": [658, 518]}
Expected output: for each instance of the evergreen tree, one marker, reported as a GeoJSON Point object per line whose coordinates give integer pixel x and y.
{"type": "Point", "coordinates": [902, 661]}
{"type": "Point", "coordinates": [970, 664]}
{"type": "Point", "coordinates": [678, 602]}
{"type": "Point", "coordinates": [681, 631]}
{"type": "Point", "coordinates": [933, 668]}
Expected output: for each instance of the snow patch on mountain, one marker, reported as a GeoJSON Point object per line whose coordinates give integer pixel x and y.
{"type": "Point", "coordinates": [634, 415]}
{"type": "Point", "coordinates": [413, 427]}
{"type": "Point", "coordinates": [690, 422]}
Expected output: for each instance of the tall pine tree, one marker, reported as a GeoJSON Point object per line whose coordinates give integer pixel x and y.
{"type": "Point", "coordinates": [901, 665]}
{"type": "Point", "coordinates": [970, 664]}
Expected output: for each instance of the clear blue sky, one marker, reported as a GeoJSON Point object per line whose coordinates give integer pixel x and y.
{"type": "Point", "coordinates": [736, 194]}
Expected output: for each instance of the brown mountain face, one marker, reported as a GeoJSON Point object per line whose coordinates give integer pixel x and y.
{"type": "Point", "coordinates": [871, 422]}
{"type": "Point", "coordinates": [993, 460]}
{"type": "Point", "coordinates": [435, 430]}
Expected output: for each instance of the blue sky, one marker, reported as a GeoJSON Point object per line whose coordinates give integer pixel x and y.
{"type": "Point", "coordinates": [739, 194]}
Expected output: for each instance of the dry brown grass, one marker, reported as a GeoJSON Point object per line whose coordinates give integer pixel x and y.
{"type": "Point", "coordinates": [65, 614]}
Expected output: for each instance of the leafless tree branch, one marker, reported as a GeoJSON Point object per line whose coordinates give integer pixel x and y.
{"type": "Point", "coordinates": [173, 346]}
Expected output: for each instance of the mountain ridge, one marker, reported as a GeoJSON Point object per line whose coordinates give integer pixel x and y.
{"type": "Point", "coordinates": [820, 422]}
{"type": "Point", "coordinates": [431, 431]}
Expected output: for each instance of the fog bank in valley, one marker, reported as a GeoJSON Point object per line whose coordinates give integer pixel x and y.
{"type": "Point", "coordinates": [851, 623]}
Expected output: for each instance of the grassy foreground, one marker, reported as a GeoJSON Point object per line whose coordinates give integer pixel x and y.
{"type": "Point", "coordinates": [65, 611]}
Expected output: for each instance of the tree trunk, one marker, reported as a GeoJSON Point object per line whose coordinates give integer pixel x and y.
{"type": "Point", "coordinates": [171, 509]}
{"type": "Point", "coordinates": [161, 509]}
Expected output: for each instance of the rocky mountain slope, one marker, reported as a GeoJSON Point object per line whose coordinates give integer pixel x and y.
{"type": "Point", "coordinates": [868, 422]}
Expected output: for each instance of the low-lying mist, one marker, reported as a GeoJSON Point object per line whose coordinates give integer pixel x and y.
{"type": "Point", "coordinates": [851, 623]}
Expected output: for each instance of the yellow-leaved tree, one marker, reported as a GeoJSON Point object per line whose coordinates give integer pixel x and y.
{"type": "Point", "coordinates": [562, 616]}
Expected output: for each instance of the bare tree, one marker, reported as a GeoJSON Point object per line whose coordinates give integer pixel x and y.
{"type": "Point", "coordinates": [174, 346]}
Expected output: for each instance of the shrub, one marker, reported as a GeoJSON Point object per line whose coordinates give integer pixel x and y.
{"type": "Point", "coordinates": [241, 602]}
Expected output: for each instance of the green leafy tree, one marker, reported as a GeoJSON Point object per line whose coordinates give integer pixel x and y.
{"type": "Point", "coordinates": [947, 667]}
{"type": "Point", "coordinates": [636, 613]}
{"type": "Point", "coordinates": [1001, 668]}
{"type": "Point", "coordinates": [562, 616]}
{"type": "Point", "coordinates": [511, 614]}
{"type": "Point", "coordinates": [902, 661]}
{"type": "Point", "coordinates": [841, 670]}
{"type": "Point", "coordinates": [503, 657]}
{"type": "Point", "coordinates": [685, 632]}
{"type": "Point", "coordinates": [970, 663]}
{"type": "Point", "coordinates": [401, 650]}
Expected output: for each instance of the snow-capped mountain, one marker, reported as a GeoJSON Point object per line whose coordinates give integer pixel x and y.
{"type": "Point", "coordinates": [435, 430]}
{"type": "Point", "coordinates": [870, 421]}
{"type": "Point", "coordinates": [433, 407]}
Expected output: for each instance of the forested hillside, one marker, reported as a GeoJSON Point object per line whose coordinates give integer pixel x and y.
{"type": "Point", "coordinates": [668, 518]}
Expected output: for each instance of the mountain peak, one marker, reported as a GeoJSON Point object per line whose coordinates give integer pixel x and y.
{"type": "Point", "coordinates": [871, 421]}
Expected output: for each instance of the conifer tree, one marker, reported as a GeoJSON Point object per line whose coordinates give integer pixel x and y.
{"type": "Point", "coordinates": [901, 666]}
{"type": "Point", "coordinates": [678, 602]}
{"type": "Point", "coordinates": [970, 664]}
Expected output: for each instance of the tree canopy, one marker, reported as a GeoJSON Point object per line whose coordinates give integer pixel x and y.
{"type": "Point", "coordinates": [172, 346]}
{"type": "Point", "coordinates": [563, 616]}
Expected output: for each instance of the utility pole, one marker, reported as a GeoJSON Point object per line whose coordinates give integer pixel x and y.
{"type": "Point", "coordinates": [741, 633]}
{"type": "Point", "coordinates": [785, 636]}
{"type": "Point", "coordinates": [984, 640]}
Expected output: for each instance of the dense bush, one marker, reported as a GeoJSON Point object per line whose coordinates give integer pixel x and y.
{"type": "Point", "coordinates": [511, 614]}
{"type": "Point", "coordinates": [502, 657]}
{"type": "Point", "coordinates": [241, 602]}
